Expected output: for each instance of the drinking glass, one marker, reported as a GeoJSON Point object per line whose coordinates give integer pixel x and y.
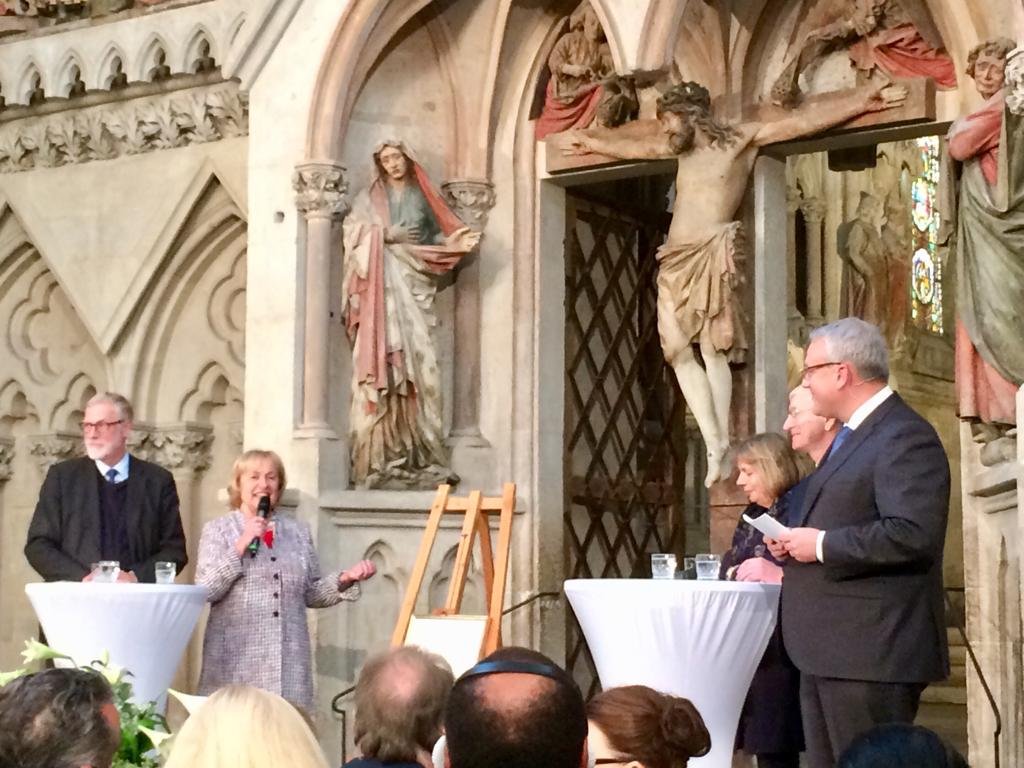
{"type": "Point", "coordinates": [663, 566]}
{"type": "Point", "coordinates": [106, 571]}
{"type": "Point", "coordinates": [165, 572]}
{"type": "Point", "coordinates": [707, 566]}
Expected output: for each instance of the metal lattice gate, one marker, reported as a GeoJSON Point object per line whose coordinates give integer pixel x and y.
{"type": "Point", "coordinates": [632, 465]}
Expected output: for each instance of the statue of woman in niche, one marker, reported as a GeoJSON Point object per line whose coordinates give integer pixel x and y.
{"type": "Point", "coordinates": [399, 239]}
{"type": "Point", "coordinates": [584, 88]}
{"type": "Point", "coordinates": [865, 278]}
{"type": "Point", "coordinates": [990, 241]}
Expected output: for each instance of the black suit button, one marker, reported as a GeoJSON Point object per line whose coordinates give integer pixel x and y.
{"type": "Point", "coordinates": [277, 577]}
{"type": "Point", "coordinates": [275, 614]}
{"type": "Point", "coordinates": [273, 559]}
{"type": "Point", "coordinates": [276, 595]}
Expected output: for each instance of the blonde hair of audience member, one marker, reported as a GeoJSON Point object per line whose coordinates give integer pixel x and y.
{"type": "Point", "coordinates": [400, 700]}
{"type": "Point", "coordinates": [243, 464]}
{"type": "Point", "coordinates": [244, 727]}
{"type": "Point", "coordinates": [808, 432]}
{"type": "Point", "coordinates": [645, 728]}
{"type": "Point", "coordinates": [773, 458]}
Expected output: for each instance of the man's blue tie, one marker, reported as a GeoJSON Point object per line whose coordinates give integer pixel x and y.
{"type": "Point", "coordinates": [112, 474]}
{"type": "Point", "coordinates": [839, 439]}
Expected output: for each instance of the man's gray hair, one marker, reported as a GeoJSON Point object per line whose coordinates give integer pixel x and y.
{"type": "Point", "coordinates": [120, 402]}
{"type": "Point", "coordinates": [852, 340]}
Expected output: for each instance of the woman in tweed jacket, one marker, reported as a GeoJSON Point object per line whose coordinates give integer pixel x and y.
{"type": "Point", "coordinates": [257, 633]}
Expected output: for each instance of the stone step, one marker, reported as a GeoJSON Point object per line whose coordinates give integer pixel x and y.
{"type": "Point", "coordinates": [943, 693]}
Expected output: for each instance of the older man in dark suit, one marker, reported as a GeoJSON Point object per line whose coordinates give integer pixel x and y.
{"type": "Point", "coordinates": [862, 602]}
{"type": "Point", "coordinates": [108, 505]}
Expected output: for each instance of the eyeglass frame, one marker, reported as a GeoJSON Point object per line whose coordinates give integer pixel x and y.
{"type": "Point", "coordinates": [99, 426]}
{"type": "Point", "coordinates": [613, 760]}
{"type": "Point", "coordinates": [808, 369]}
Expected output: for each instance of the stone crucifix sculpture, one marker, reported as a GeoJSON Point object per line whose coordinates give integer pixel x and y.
{"type": "Point", "coordinates": [697, 272]}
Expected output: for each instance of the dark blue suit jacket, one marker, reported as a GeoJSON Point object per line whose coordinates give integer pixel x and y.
{"type": "Point", "coordinates": [873, 610]}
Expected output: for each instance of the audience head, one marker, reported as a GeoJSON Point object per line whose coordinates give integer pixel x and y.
{"type": "Point", "coordinates": [244, 726]}
{"type": "Point", "coordinates": [768, 467]}
{"type": "Point", "coordinates": [846, 363]}
{"type": "Point", "coordinates": [516, 709]}
{"type": "Point", "coordinates": [642, 728]}
{"type": "Point", "coordinates": [896, 745]}
{"type": "Point", "coordinates": [106, 427]}
{"type": "Point", "coordinates": [255, 474]}
{"type": "Point", "coordinates": [400, 698]}
{"type": "Point", "coordinates": [808, 432]}
{"type": "Point", "coordinates": [58, 718]}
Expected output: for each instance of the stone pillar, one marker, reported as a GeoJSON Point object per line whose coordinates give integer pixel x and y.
{"type": "Point", "coordinates": [814, 215]}
{"type": "Point", "coordinates": [320, 196]}
{"type": "Point", "coordinates": [472, 200]}
{"type": "Point", "coordinates": [184, 450]}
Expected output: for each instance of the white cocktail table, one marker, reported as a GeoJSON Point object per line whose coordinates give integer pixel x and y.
{"type": "Point", "coordinates": [144, 627]}
{"type": "Point", "coordinates": [701, 640]}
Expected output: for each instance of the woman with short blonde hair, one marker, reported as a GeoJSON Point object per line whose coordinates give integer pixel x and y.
{"type": "Point", "coordinates": [261, 572]}
{"type": "Point", "coordinates": [771, 454]}
{"type": "Point", "coordinates": [245, 727]}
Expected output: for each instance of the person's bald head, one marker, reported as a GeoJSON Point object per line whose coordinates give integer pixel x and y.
{"type": "Point", "coordinates": [808, 432]}
{"type": "Point", "coordinates": [516, 719]}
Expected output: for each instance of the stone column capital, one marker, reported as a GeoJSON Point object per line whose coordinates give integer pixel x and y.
{"type": "Point", "coordinates": [813, 210]}
{"type": "Point", "coordinates": [794, 198]}
{"type": "Point", "coordinates": [52, 448]}
{"type": "Point", "coordinates": [320, 190]}
{"type": "Point", "coordinates": [181, 447]}
{"type": "Point", "coordinates": [6, 457]}
{"type": "Point", "coordinates": [471, 199]}
{"type": "Point", "coordinates": [1014, 80]}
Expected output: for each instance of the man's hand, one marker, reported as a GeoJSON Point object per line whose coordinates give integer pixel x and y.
{"type": "Point", "coordinates": [361, 571]}
{"type": "Point", "coordinates": [759, 569]}
{"type": "Point", "coordinates": [801, 544]}
{"type": "Point", "coordinates": [575, 143]}
{"type": "Point", "coordinates": [777, 548]}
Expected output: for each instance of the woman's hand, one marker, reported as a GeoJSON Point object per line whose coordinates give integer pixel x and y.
{"type": "Point", "coordinates": [361, 571]}
{"type": "Point", "coordinates": [759, 569]}
{"type": "Point", "coordinates": [254, 526]}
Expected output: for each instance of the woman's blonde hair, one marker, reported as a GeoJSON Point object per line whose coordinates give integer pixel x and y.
{"type": "Point", "coordinates": [774, 458]}
{"type": "Point", "coordinates": [242, 464]}
{"type": "Point", "coordinates": [244, 727]}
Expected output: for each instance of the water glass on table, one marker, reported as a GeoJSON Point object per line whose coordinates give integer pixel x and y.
{"type": "Point", "coordinates": [707, 567]}
{"type": "Point", "coordinates": [165, 572]}
{"type": "Point", "coordinates": [663, 566]}
{"type": "Point", "coordinates": [106, 571]}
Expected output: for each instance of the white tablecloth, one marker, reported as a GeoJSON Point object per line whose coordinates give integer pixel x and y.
{"type": "Point", "coordinates": [699, 639]}
{"type": "Point", "coordinates": [144, 627]}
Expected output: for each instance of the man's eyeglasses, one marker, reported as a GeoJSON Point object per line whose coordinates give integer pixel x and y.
{"type": "Point", "coordinates": [99, 426]}
{"type": "Point", "coordinates": [613, 760]}
{"type": "Point", "coordinates": [808, 370]}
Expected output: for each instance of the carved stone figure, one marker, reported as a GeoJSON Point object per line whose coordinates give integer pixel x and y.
{"type": "Point", "coordinates": [897, 37]}
{"type": "Point", "coordinates": [584, 88]}
{"type": "Point", "coordinates": [990, 241]}
{"type": "Point", "coordinates": [77, 87]}
{"type": "Point", "coordinates": [865, 282]}
{"type": "Point", "coordinates": [896, 247]}
{"type": "Point", "coordinates": [400, 238]}
{"type": "Point", "coordinates": [160, 71]}
{"type": "Point", "coordinates": [697, 274]}
{"type": "Point", "coordinates": [118, 77]}
{"type": "Point", "coordinates": [205, 62]}
{"type": "Point", "coordinates": [37, 95]}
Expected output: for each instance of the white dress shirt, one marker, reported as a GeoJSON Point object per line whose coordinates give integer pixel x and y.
{"type": "Point", "coordinates": [856, 419]}
{"type": "Point", "coordinates": [121, 467]}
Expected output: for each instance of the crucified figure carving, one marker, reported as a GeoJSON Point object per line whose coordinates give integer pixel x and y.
{"type": "Point", "coordinates": [697, 271]}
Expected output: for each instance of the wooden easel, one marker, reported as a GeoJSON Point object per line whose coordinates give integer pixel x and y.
{"type": "Point", "coordinates": [494, 561]}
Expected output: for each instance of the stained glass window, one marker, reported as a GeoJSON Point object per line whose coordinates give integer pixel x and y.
{"type": "Point", "coordinates": [925, 266]}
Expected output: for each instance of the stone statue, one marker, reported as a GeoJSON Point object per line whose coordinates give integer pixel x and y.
{"type": "Point", "coordinates": [399, 239]}
{"type": "Point", "coordinates": [896, 245]}
{"type": "Point", "coordinates": [205, 62]}
{"type": "Point", "coordinates": [118, 77]}
{"type": "Point", "coordinates": [989, 244]}
{"type": "Point", "coordinates": [697, 273]}
{"type": "Point", "coordinates": [37, 95]}
{"type": "Point", "coordinates": [160, 70]}
{"type": "Point", "coordinates": [865, 275]}
{"type": "Point", "coordinates": [77, 87]}
{"type": "Point", "coordinates": [584, 88]}
{"type": "Point", "coordinates": [897, 37]}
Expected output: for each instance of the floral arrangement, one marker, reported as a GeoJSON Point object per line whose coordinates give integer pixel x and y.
{"type": "Point", "coordinates": [144, 732]}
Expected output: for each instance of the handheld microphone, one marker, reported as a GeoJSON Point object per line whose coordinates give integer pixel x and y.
{"type": "Point", "coordinates": [264, 511]}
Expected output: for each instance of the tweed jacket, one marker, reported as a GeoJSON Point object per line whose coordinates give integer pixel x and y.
{"type": "Point", "coordinates": [257, 633]}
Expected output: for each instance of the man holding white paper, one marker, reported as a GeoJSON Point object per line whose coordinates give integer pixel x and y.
{"type": "Point", "coordinates": [862, 607]}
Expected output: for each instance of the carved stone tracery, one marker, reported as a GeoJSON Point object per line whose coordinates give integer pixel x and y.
{"type": "Point", "coordinates": [182, 447]}
{"type": "Point", "coordinates": [49, 449]}
{"type": "Point", "coordinates": [141, 125]}
{"type": "Point", "coordinates": [321, 190]}
{"type": "Point", "coordinates": [471, 199]}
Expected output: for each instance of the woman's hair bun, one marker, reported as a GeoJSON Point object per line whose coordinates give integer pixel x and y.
{"type": "Point", "coordinates": [683, 728]}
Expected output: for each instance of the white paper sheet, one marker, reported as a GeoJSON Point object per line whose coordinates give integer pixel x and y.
{"type": "Point", "coordinates": [767, 525]}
